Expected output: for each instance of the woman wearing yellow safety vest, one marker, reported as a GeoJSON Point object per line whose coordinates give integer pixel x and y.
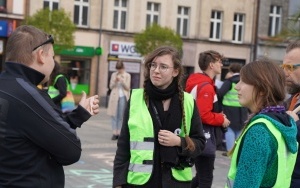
{"type": "Point", "coordinates": [265, 153]}
{"type": "Point", "coordinates": [161, 130]}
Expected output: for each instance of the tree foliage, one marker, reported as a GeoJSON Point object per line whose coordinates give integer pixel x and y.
{"type": "Point", "coordinates": [291, 31]}
{"type": "Point", "coordinates": [154, 36]}
{"type": "Point", "coordinates": [56, 23]}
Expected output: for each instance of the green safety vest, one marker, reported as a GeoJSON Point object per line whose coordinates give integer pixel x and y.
{"type": "Point", "coordinates": [141, 133]}
{"type": "Point", "coordinates": [286, 159]}
{"type": "Point", "coordinates": [231, 98]}
{"type": "Point", "coordinates": [52, 91]}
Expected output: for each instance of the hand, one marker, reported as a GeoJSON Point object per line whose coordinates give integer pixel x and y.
{"type": "Point", "coordinates": [226, 122]}
{"type": "Point", "coordinates": [91, 104]}
{"type": "Point", "coordinates": [293, 115]}
{"type": "Point", "coordinates": [167, 138]}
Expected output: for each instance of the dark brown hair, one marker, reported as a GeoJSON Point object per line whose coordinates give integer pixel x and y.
{"type": "Point", "coordinates": [119, 65]}
{"type": "Point", "coordinates": [167, 50]}
{"type": "Point", "coordinates": [207, 57]}
{"type": "Point", "coordinates": [21, 43]}
{"type": "Point", "coordinates": [293, 45]}
{"type": "Point", "coordinates": [235, 67]}
{"type": "Point", "coordinates": [268, 80]}
{"type": "Point", "coordinates": [56, 71]}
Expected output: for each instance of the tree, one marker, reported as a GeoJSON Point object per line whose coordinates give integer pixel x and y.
{"type": "Point", "coordinates": [291, 31]}
{"type": "Point", "coordinates": [154, 36]}
{"type": "Point", "coordinates": [56, 23]}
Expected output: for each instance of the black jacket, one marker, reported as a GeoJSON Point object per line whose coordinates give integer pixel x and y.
{"type": "Point", "coordinates": [61, 85]}
{"type": "Point", "coordinates": [159, 174]}
{"type": "Point", "coordinates": [36, 140]}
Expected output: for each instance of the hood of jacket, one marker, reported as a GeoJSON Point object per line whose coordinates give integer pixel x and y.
{"type": "Point", "coordinates": [286, 125]}
{"type": "Point", "coordinates": [195, 79]}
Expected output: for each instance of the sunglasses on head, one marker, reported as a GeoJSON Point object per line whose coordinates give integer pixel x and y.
{"type": "Point", "coordinates": [49, 40]}
{"type": "Point", "coordinates": [289, 67]}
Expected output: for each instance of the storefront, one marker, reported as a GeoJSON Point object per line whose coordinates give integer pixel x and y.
{"type": "Point", "coordinates": [125, 52]}
{"type": "Point", "coordinates": [76, 65]}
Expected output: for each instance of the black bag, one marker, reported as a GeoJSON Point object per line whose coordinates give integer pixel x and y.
{"type": "Point", "coordinates": [210, 145]}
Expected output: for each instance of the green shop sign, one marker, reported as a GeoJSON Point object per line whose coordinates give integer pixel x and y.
{"type": "Point", "coordinates": [79, 88]}
{"type": "Point", "coordinates": [85, 51]}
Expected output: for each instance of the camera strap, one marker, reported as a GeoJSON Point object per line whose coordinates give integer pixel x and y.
{"type": "Point", "coordinates": [156, 113]}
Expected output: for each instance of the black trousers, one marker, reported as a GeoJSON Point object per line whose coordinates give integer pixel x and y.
{"type": "Point", "coordinates": [204, 172]}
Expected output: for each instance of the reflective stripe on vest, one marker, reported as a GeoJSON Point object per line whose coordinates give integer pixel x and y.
{"type": "Point", "coordinates": [231, 98]}
{"type": "Point", "coordinates": [286, 160]}
{"type": "Point", "coordinates": [142, 144]}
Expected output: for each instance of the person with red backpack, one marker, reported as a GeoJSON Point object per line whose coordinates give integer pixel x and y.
{"type": "Point", "coordinates": [203, 88]}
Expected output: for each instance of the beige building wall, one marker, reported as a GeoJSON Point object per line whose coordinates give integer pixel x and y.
{"type": "Point", "coordinates": [196, 41]}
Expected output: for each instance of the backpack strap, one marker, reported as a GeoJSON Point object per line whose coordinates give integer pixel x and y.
{"type": "Point", "coordinates": [197, 89]}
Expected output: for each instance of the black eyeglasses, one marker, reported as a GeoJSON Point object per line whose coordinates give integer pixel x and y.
{"type": "Point", "coordinates": [50, 40]}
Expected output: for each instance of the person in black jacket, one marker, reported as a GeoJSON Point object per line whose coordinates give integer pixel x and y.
{"type": "Point", "coordinates": [291, 67]}
{"type": "Point", "coordinates": [60, 84]}
{"type": "Point", "coordinates": [236, 114]}
{"type": "Point", "coordinates": [36, 139]}
{"type": "Point", "coordinates": [59, 88]}
{"type": "Point", "coordinates": [161, 129]}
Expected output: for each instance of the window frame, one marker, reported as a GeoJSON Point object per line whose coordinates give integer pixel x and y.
{"type": "Point", "coordinates": [238, 28]}
{"type": "Point", "coordinates": [51, 3]}
{"type": "Point", "coordinates": [214, 24]}
{"type": "Point", "coordinates": [274, 20]}
{"type": "Point", "coordinates": [152, 13]}
{"type": "Point", "coordinates": [181, 19]}
{"type": "Point", "coordinates": [117, 19]}
{"type": "Point", "coordinates": [81, 4]}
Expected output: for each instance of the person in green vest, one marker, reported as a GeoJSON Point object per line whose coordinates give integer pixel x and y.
{"type": "Point", "coordinates": [231, 107]}
{"type": "Point", "coordinates": [162, 130]}
{"type": "Point", "coordinates": [265, 153]}
{"type": "Point", "coordinates": [58, 88]}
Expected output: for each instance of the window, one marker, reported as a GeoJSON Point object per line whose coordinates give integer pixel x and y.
{"type": "Point", "coordinates": [182, 21]}
{"type": "Point", "coordinates": [152, 13]}
{"type": "Point", "coordinates": [81, 9]}
{"type": "Point", "coordinates": [238, 28]}
{"type": "Point", "coordinates": [120, 13]}
{"type": "Point", "coordinates": [274, 20]}
{"type": "Point", "coordinates": [215, 25]}
{"type": "Point", "coordinates": [51, 4]}
{"type": "Point", "coordinates": [3, 6]}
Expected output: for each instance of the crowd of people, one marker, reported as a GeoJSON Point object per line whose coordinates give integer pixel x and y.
{"type": "Point", "coordinates": [162, 129]}
{"type": "Point", "coordinates": [252, 114]}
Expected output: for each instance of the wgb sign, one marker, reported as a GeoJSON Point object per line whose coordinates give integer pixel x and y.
{"type": "Point", "coordinates": [123, 48]}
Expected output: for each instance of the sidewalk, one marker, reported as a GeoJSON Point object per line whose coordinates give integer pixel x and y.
{"type": "Point", "coordinates": [103, 123]}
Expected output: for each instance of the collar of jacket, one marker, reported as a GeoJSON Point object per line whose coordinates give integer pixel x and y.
{"type": "Point", "coordinates": [22, 71]}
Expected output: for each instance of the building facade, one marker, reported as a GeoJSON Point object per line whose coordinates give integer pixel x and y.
{"type": "Point", "coordinates": [230, 27]}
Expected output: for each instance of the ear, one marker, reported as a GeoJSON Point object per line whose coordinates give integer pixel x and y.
{"type": "Point", "coordinates": [40, 56]}
{"type": "Point", "coordinates": [211, 65]}
{"type": "Point", "coordinates": [175, 73]}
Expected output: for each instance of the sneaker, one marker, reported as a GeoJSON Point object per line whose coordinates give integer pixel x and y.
{"type": "Point", "coordinates": [114, 137]}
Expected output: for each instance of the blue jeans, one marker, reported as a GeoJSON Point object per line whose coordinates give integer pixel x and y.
{"type": "Point", "coordinates": [230, 137]}
{"type": "Point", "coordinates": [118, 119]}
